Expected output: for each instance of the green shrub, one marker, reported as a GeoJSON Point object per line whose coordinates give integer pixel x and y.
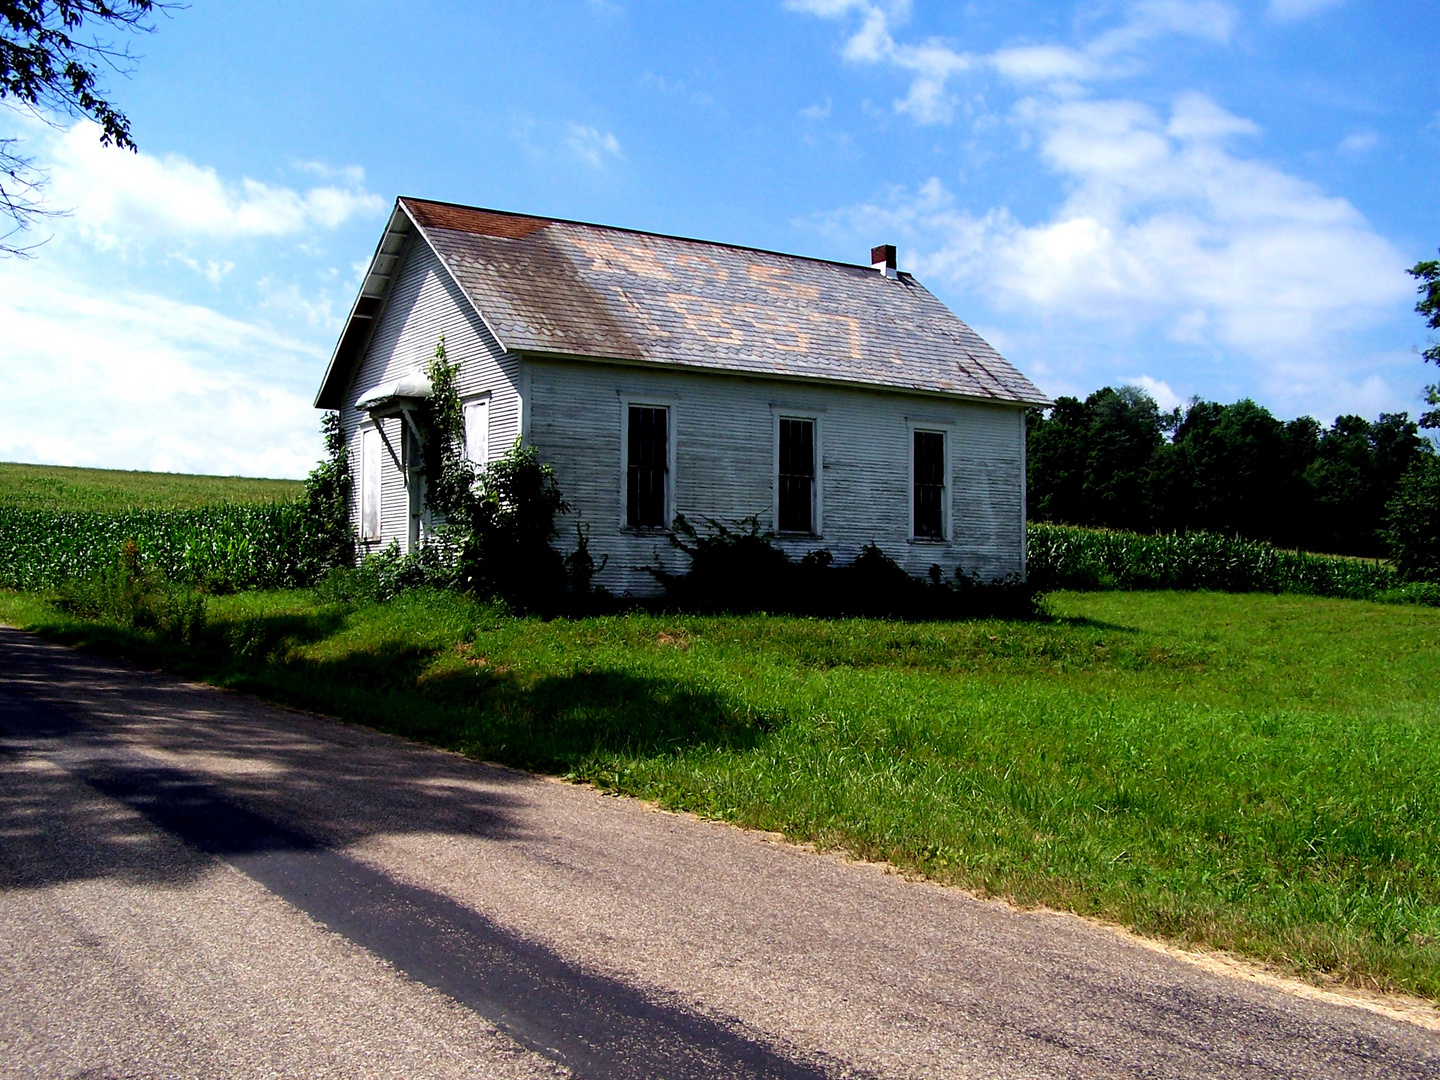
{"type": "Point", "coordinates": [741, 570]}
{"type": "Point", "coordinates": [134, 595]}
{"type": "Point", "coordinates": [387, 573]}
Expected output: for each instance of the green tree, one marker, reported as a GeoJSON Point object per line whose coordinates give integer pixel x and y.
{"type": "Point", "coordinates": [1412, 521]}
{"type": "Point", "coordinates": [1234, 469]}
{"type": "Point", "coordinates": [1089, 462]}
{"type": "Point", "coordinates": [1428, 274]}
{"type": "Point", "coordinates": [51, 53]}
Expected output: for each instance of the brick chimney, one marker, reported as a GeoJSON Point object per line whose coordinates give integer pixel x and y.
{"type": "Point", "coordinates": [882, 258]}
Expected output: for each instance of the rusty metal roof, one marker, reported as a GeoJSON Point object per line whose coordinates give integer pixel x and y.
{"type": "Point", "coordinates": [572, 289]}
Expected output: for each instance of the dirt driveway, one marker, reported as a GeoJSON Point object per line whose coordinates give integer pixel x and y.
{"type": "Point", "coordinates": [196, 885]}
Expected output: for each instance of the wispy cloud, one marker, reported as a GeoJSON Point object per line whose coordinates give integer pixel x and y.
{"type": "Point", "coordinates": [108, 363]}
{"type": "Point", "coordinates": [119, 199]}
{"type": "Point", "coordinates": [1359, 142]}
{"type": "Point", "coordinates": [594, 147]}
{"type": "Point", "coordinates": [132, 379]}
{"type": "Point", "coordinates": [933, 63]}
{"type": "Point", "coordinates": [1168, 224]}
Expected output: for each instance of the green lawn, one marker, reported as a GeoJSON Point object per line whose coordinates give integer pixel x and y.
{"type": "Point", "coordinates": [55, 487]}
{"type": "Point", "coordinates": [1249, 772]}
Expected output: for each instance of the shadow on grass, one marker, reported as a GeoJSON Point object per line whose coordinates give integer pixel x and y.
{"type": "Point", "coordinates": [550, 722]}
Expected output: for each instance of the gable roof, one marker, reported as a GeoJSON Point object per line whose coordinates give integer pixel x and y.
{"type": "Point", "coordinates": [566, 288]}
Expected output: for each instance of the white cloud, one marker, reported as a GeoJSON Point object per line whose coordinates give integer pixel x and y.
{"type": "Point", "coordinates": [932, 64]}
{"type": "Point", "coordinates": [108, 360]}
{"type": "Point", "coordinates": [120, 199]}
{"type": "Point", "coordinates": [1168, 229]}
{"type": "Point", "coordinates": [1359, 142]}
{"type": "Point", "coordinates": [1158, 389]}
{"type": "Point", "coordinates": [592, 146]}
{"type": "Point", "coordinates": [212, 270]}
{"type": "Point", "coordinates": [816, 112]}
{"type": "Point", "coordinates": [1165, 227]}
{"type": "Point", "coordinates": [1294, 10]}
{"type": "Point", "coordinates": [127, 379]}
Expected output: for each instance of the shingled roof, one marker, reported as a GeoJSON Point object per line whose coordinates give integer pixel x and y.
{"type": "Point", "coordinates": [565, 288]}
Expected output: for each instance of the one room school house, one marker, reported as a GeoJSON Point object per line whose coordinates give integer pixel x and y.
{"type": "Point", "coordinates": [841, 404]}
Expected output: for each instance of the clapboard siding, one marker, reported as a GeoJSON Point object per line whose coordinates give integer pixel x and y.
{"type": "Point", "coordinates": [724, 432]}
{"type": "Point", "coordinates": [424, 303]}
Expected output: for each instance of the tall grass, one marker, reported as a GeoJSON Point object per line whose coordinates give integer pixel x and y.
{"type": "Point", "coordinates": [226, 547]}
{"type": "Point", "coordinates": [1065, 557]}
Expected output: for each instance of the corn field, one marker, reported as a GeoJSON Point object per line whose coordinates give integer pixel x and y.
{"type": "Point", "coordinates": [278, 545]}
{"type": "Point", "coordinates": [265, 546]}
{"type": "Point", "coordinates": [1064, 557]}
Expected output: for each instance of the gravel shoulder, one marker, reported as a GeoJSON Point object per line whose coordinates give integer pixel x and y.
{"type": "Point", "coordinates": [193, 883]}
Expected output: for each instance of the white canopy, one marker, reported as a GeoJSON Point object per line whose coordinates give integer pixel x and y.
{"type": "Point", "coordinates": [408, 386]}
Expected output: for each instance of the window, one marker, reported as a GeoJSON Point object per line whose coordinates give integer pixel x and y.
{"type": "Point", "coordinates": [929, 473]}
{"type": "Point", "coordinates": [647, 459]}
{"type": "Point", "coordinates": [795, 509]}
{"type": "Point", "coordinates": [477, 431]}
{"type": "Point", "coordinates": [369, 484]}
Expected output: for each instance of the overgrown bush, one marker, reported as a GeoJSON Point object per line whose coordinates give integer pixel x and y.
{"type": "Point", "coordinates": [327, 500]}
{"type": "Point", "coordinates": [1065, 557]}
{"type": "Point", "coordinates": [741, 569]}
{"type": "Point", "coordinates": [499, 519]}
{"type": "Point", "coordinates": [134, 595]}
{"type": "Point", "coordinates": [387, 573]}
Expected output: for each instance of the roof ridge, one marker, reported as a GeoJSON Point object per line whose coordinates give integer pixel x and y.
{"type": "Point", "coordinates": [646, 232]}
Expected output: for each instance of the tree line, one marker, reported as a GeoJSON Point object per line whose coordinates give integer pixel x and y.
{"type": "Point", "coordinates": [1118, 461]}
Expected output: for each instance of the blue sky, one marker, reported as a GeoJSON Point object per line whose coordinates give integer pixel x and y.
{"type": "Point", "coordinates": [1205, 197]}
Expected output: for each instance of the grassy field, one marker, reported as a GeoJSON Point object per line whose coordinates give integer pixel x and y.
{"type": "Point", "coordinates": [1249, 772]}
{"type": "Point", "coordinates": [55, 487]}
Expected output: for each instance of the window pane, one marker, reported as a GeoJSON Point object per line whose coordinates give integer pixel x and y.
{"type": "Point", "coordinates": [929, 466]}
{"type": "Point", "coordinates": [797, 475]}
{"type": "Point", "coordinates": [647, 461]}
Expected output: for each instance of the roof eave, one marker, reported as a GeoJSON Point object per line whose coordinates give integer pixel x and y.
{"type": "Point", "coordinates": [1039, 402]}
{"type": "Point", "coordinates": [365, 310]}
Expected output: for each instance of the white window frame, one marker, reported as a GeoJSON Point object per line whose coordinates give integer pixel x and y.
{"type": "Point", "coordinates": [627, 402]}
{"type": "Point", "coordinates": [371, 448]}
{"type": "Point", "coordinates": [468, 407]}
{"type": "Point", "coordinates": [817, 490]}
{"type": "Point", "coordinates": [947, 503]}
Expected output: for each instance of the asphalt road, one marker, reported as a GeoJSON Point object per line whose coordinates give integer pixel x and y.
{"type": "Point", "coordinates": [193, 884]}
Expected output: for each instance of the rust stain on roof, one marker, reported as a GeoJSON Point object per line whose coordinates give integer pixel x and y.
{"type": "Point", "coordinates": [481, 222]}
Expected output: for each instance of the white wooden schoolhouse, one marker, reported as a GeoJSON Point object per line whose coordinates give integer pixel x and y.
{"type": "Point", "coordinates": [840, 404]}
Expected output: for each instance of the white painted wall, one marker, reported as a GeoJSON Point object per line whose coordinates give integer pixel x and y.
{"type": "Point", "coordinates": [723, 433]}
{"type": "Point", "coordinates": [423, 303]}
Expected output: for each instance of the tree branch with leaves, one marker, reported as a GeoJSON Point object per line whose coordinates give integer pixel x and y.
{"type": "Point", "coordinates": [52, 55]}
{"type": "Point", "coordinates": [1428, 274]}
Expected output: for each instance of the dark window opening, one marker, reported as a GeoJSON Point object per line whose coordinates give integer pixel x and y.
{"type": "Point", "coordinates": [797, 476]}
{"type": "Point", "coordinates": [930, 484]}
{"type": "Point", "coordinates": [647, 462]}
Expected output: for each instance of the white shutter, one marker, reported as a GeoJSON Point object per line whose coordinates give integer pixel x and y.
{"type": "Point", "coordinates": [369, 484]}
{"type": "Point", "coordinates": [477, 431]}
